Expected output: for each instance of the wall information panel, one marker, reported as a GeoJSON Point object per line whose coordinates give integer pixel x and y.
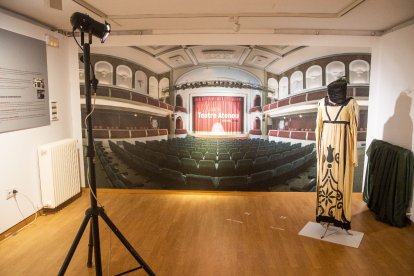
{"type": "Point", "coordinates": [24, 97]}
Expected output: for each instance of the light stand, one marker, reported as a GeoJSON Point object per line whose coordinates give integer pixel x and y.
{"type": "Point", "coordinates": [92, 214]}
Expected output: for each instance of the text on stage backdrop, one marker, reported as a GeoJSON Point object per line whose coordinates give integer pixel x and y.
{"type": "Point", "coordinates": [218, 114]}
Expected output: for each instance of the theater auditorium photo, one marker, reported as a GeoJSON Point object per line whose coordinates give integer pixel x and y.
{"type": "Point", "coordinates": [206, 138]}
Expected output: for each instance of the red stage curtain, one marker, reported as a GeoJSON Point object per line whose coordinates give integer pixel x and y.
{"type": "Point", "coordinates": [218, 114]}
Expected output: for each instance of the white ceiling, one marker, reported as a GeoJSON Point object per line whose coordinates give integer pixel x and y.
{"type": "Point", "coordinates": [174, 57]}
{"type": "Point", "coordinates": [275, 59]}
{"type": "Point", "coordinates": [132, 20]}
{"type": "Point", "coordinates": [200, 16]}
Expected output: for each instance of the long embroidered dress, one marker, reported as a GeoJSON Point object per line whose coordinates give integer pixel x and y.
{"type": "Point", "coordinates": [336, 141]}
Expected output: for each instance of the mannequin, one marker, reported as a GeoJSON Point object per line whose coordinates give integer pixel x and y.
{"type": "Point", "coordinates": [336, 145]}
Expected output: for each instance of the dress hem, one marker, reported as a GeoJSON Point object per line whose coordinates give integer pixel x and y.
{"type": "Point", "coordinates": [343, 225]}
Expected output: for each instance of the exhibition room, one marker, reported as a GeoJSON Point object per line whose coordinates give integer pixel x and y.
{"type": "Point", "coordinates": [206, 138]}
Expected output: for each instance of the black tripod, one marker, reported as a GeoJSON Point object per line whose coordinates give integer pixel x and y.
{"type": "Point", "coordinates": [94, 211]}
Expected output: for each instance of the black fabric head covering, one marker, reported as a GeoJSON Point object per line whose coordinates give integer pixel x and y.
{"type": "Point", "coordinates": [337, 91]}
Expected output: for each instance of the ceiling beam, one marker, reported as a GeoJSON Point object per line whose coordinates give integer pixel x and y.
{"type": "Point", "coordinates": [241, 39]}
{"type": "Point", "coordinates": [163, 62]}
{"type": "Point", "coordinates": [350, 7]}
{"type": "Point", "coordinates": [191, 55]}
{"type": "Point", "coordinates": [268, 51]}
{"type": "Point", "coordinates": [340, 13]}
{"type": "Point", "coordinates": [321, 32]}
{"type": "Point", "coordinates": [400, 25]}
{"type": "Point", "coordinates": [287, 31]}
{"type": "Point", "coordinates": [245, 54]}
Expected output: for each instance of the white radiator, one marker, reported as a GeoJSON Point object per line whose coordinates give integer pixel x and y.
{"type": "Point", "coordinates": [59, 172]}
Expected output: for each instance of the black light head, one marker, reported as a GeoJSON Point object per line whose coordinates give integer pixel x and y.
{"type": "Point", "coordinates": [85, 23]}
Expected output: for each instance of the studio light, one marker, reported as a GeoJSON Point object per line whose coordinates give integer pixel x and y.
{"type": "Point", "coordinates": [86, 24]}
{"type": "Point", "coordinates": [90, 27]}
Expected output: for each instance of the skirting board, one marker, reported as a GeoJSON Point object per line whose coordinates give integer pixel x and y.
{"type": "Point", "coordinates": [334, 234]}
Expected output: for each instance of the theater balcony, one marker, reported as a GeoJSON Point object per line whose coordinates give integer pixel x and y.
{"type": "Point", "coordinates": [294, 117]}
{"type": "Point", "coordinates": [128, 98]}
{"type": "Point", "coordinates": [308, 99]}
{"type": "Point", "coordinates": [307, 135]}
{"type": "Point", "coordinates": [124, 114]}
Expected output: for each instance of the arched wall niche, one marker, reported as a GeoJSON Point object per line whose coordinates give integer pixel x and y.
{"type": "Point", "coordinates": [141, 82]}
{"type": "Point", "coordinates": [359, 71]}
{"type": "Point", "coordinates": [153, 87]}
{"type": "Point", "coordinates": [140, 73]}
{"type": "Point", "coordinates": [273, 84]}
{"type": "Point", "coordinates": [321, 71]}
{"type": "Point", "coordinates": [296, 82]}
{"type": "Point", "coordinates": [164, 84]}
{"type": "Point", "coordinates": [334, 71]}
{"type": "Point", "coordinates": [123, 76]}
{"type": "Point", "coordinates": [283, 87]}
{"type": "Point", "coordinates": [314, 77]}
{"type": "Point", "coordinates": [104, 72]}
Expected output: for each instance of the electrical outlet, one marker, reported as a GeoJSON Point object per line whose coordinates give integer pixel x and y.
{"type": "Point", "coordinates": [11, 193]}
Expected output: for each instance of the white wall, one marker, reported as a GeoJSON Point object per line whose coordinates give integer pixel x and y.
{"type": "Point", "coordinates": [18, 161]}
{"type": "Point", "coordinates": [391, 103]}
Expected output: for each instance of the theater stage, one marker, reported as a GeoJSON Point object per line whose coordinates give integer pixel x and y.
{"type": "Point", "coordinates": [210, 135]}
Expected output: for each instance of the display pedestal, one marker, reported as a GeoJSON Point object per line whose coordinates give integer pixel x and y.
{"type": "Point", "coordinates": [332, 234]}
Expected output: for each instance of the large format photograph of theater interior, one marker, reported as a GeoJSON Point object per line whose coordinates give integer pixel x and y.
{"type": "Point", "coordinates": [206, 138]}
{"type": "Point", "coordinates": [230, 118]}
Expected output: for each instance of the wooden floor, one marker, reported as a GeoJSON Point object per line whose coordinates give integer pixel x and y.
{"type": "Point", "coordinates": [185, 233]}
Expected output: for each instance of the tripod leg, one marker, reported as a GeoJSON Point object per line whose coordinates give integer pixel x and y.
{"type": "Point", "coordinates": [90, 247]}
{"type": "Point", "coordinates": [125, 242]}
{"type": "Point", "coordinates": [74, 244]}
{"type": "Point", "coordinates": [96, 244]}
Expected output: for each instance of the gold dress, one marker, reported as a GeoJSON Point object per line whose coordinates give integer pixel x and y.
{"type": "Point", "coordinates": [336, 145]}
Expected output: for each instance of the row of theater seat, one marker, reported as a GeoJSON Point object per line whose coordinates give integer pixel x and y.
{"type": "Point", "coordinates": [255, 181]}
{"type": "Point", "coordinates": [246, 150]}
{"type": "Point", "coordinates": [213, 180]}
{"type": "Point", "coordinates": [191, 140]}
{"type": "Point", "coordinates": [198, 154]}
{"type": "Point", "coordinates": [112, 173]}
{"type": "Point", "coordinates": [210, 143]}
{"type": "Point", "coordinates": [226, 167]}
